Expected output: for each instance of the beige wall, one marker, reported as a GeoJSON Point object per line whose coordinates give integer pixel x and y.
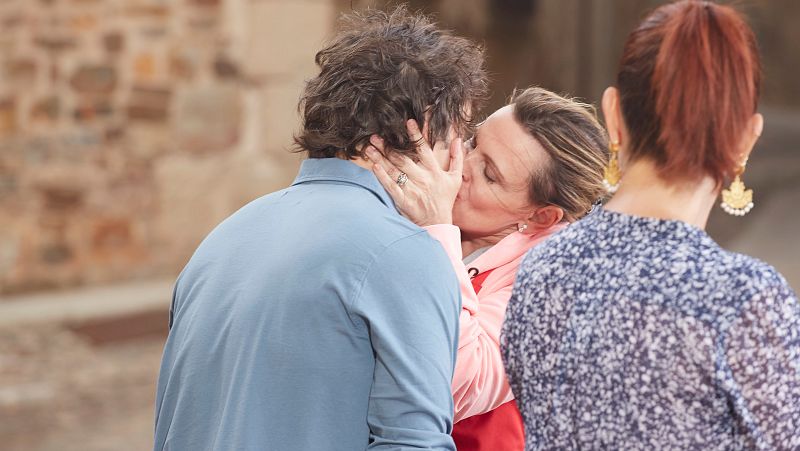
{"type": "Point", "coordinates": [128, 129]}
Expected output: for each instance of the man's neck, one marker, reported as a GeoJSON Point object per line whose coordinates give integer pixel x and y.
{"type": "Point", "coordinates": [361, 162]}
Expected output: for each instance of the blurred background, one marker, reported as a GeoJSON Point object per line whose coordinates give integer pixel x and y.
{"type": "Point", "coordinates": [129, 128]}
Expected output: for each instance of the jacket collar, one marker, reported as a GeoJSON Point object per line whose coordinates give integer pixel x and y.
{"type": "Point", "coordinates": [512, 248]}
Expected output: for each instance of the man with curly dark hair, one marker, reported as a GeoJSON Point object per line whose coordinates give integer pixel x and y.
{"type": "Point", "coordinates": [317, 317]}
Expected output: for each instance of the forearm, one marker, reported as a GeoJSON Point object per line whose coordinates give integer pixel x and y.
{"type": "Point", "coordinates": [449, 236]}
{"type": "Point", "coordinates": [479, 382]}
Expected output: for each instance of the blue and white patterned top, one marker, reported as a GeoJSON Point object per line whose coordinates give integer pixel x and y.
{"type": "Point", "coordinates": [626, 332]}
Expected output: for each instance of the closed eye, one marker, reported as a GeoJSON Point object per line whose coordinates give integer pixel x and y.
{"type": "Point", "coordinates": [487, 176]}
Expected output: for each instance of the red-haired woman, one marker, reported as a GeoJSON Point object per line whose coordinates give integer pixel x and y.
{"type": "Point", "coordinates": [633, 329]}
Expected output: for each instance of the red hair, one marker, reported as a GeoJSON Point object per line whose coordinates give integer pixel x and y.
{"type": "Point", "coordinates": [689, 82]}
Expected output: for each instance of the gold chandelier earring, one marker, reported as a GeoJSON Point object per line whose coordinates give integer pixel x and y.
{"type": "Point", "coordinates": [737, 200]}
{"type": "Point", "coordinates": [612, 174]}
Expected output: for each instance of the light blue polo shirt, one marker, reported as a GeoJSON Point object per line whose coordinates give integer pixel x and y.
{"type": "Point", "coordinates": [314, 318]}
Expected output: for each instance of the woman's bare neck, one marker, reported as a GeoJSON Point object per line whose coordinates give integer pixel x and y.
{"type": "Point", "coordinates": [470, 244]}
{"type": "Point", "coordinates": [643, 193]}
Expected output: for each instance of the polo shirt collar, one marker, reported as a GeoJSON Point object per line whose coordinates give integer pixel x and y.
{"type": "Point", "coordinates": [343, 171]}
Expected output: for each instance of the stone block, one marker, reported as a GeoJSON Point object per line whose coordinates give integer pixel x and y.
{"type": "Point", "coordinates": [94, 79]}
{"type": "Point", "coordinates": [55, 43]}
{"type": "Point", "coordinates": [62, 198]}
{"type": "Point", "coordinates": [12, 21]}
{"type": "Point", "coordinates": [205, 3]}
{"type": "Point", "coordinates": [114, 42]}
{"type": "Point", "coordinates": [62, 188]}
{"type": "Point", "coordinates": [147, 140]}
{"type": "Point", "coordinates": [113, 134]}
{"type": "Point", "coordinates": [203, 25]}
{"type": "Point", "coordinates": [83, 23]}
{"type": "Point", "coordinates": [46, 109]}
{"type": "Point", "coordinates": [149, 104]}
{"type": "Point", "coordinates": [185, 60]}
{"type": "Point", "coordinates": [154, 32]}
{"type": "Point", "coordinates": [54, 73]}
{"type": "Point", "coordinates": [90, 110]}
{"type": "Point", "coordinates": [225, 68]}
{"type": "Point", "coordinates": [22, 70]}
{"type": "Point", "coordinates": [55, 253]}
{"type": "Point", "coordinates": [9, 252]}
{"type": "Point", "coordinates": [144, 67]}
{"type": "Point", "coordinates": [208, 119]}
{"type": "Point", "coordinates": [9, 184]}
{"type": "Point", "coordinates": [284, 36]}
{"type": "Point", "coordinates": [8, 116]}
{"type": "Point", "coordinates": [149, 11]}
{"type": "Point", "coordinates": [110, 233]}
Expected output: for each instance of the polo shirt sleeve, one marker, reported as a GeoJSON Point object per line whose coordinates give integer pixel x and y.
{"type": "Point", "coordinates": [410, 302]}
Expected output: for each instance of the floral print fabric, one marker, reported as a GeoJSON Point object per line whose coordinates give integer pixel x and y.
{"type": "Point", "coordinates": [626, 332]}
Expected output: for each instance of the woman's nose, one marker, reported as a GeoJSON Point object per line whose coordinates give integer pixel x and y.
{"type": "Point", "coordinates": [466, 174]}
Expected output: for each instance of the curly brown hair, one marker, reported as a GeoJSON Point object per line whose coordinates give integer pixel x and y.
{"type": "Point", "coordinates": [382, 69]}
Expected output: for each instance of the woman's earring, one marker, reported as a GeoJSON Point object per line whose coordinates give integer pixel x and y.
{"type": "Point", "coordinates": [737, 200]}
{"type": "Point", "coordinates": [521, 227]}
{"type": "Point", "coordinates": [612, 174]}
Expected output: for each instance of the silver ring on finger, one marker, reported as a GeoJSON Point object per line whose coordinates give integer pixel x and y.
{"type": "Point", "coordinates": [402, 179]}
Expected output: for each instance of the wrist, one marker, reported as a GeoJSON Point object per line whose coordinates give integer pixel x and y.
{"type": "Point", "coordinates": [438, 219]}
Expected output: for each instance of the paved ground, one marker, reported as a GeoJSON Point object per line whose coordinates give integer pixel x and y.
{"type": "Point", "coordinates": [78, 368]}
{"type": "Point", "coordinates": [60, 393]}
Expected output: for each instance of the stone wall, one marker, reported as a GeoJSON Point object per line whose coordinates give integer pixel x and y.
{"type": "Point", "coordinates": [129, 128]}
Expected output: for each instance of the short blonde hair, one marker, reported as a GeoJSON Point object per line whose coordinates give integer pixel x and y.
{"type": "Point", "coordinates": [577, 146]}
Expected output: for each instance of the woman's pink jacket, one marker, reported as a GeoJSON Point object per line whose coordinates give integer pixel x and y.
{"type": "Point", "coordinates": [479, 381]}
